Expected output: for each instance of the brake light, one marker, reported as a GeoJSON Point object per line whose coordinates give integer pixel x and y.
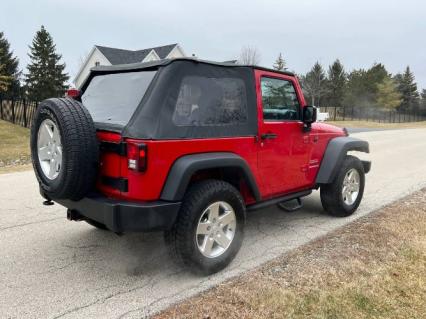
{"type": "Point", "coordinates": [137, 157]}
{"type": "Point", "coordinates": [73, 93]}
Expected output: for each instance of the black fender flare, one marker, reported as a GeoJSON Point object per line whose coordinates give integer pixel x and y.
{"type": "Point", "coordinates": [334, 155]}
{"type": "Point", "coordinates": [184, 167]}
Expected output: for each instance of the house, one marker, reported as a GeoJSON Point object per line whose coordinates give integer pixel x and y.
{"type": "Point", "coordinates": [101, 55]}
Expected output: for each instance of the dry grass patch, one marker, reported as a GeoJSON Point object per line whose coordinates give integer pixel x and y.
{"type": "Point", "coordinates": [369, 124]}
{"type": "Point", "coordinates": [372, 268]}
{"type": "Point", "coordinates": [15, 168]}
{"type": "Point", "coordinates": [14, 145]}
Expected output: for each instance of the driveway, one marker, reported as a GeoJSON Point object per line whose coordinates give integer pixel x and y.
{"type": "Point", "coordinates": [53, 268]}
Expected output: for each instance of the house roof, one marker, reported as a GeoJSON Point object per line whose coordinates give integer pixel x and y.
{"type": "Point", "coordinates": [120, 56]}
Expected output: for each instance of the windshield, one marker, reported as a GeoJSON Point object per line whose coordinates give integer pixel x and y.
{"type": "Point", "coordinates": [113, 98]}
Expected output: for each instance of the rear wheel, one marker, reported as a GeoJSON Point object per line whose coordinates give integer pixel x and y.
{"type": "Point", "coordinates": [343, 196]}
{"type": "Point", "coordinates": [210, 227]}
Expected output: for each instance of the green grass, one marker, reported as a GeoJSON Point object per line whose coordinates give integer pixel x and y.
{"type": "Point", "coordinates": [372, 268]}
{"type": "Point", "coordinates": [14, 145]}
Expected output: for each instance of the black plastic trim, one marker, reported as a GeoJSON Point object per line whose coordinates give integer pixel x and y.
{"type": "Point", "coordinates": [278, 200]}
{"type": "Point", "coordinates": [124, 216]}
{"type": "Point", "coordinates": [334, 155]}
{"type": "Point", "coordinates": [367, 166]}
{"type": "Point", "coordinates": [118, 148]}
{"type": "Point", "coordinates": [184, 168]}
{"type": "Point", "coordinates": [119, 183]}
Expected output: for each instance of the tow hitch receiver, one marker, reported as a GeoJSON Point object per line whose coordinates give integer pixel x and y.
{"type": "Point", "coordinates": [291, 205]}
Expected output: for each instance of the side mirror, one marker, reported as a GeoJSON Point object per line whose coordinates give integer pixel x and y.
{"type": "Point", "coordinates": [309, 116]}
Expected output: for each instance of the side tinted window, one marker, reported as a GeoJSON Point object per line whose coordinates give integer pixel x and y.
{"type": "Point", "coordinates": [204, 101]}
{"type": "Point", "coordinates": [279, 100]}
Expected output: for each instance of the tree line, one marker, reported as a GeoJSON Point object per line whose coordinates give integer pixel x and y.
{"type": "Point", "coordinates": [374, 87]}
{"type": "Point", "coordinates": [45, 75]}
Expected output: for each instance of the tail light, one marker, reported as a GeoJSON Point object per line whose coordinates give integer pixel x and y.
{"type": "Point", "coordinates": [73, 93]}
{"type": "Point", "coordinates": [137, 157]}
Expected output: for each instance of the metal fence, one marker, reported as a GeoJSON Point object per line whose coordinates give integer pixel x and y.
{"type": "Point", "coordinates": [372, 114]}
{"type": "Point", "coordinates": [17, 111]}
{"type": "Point", "coordinates": [21, 111]}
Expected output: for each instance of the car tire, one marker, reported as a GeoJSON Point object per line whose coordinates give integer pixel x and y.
{"type": "Point", "coordinates": [192, 242]}
{"type": "Point", "coordinates": [64, 149]}
{"type": "Point", "coordinates": [342, 197]}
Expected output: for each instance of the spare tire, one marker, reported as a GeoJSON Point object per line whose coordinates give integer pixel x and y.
{"type": "Point", "coordinates": [64, 149]}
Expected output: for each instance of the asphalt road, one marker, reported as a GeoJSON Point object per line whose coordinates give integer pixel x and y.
{"type": "Point", "coordinates": [52, 268]}
{"type": "Point", "coordinates": [352, 130]}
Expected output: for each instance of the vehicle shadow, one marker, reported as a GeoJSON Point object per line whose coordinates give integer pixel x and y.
{"type": "Point", "coordinates": [146, 254]}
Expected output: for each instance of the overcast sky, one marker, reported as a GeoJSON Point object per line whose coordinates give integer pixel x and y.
{"type": "Point", "coordinates": [359, 32]}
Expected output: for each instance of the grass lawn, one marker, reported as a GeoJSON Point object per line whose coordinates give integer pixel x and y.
{"type": "Point", "coordinates": [369, 124]}
{"type": "Point", "coordinates": [374, 267]}
{"type": "Point", "coordinates": [14, 146]}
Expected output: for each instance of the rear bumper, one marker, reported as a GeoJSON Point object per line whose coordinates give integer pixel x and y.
{"type": "Point", "coordinates": [123, 216]}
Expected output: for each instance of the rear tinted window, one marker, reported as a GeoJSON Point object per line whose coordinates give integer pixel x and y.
{"type": "Point", "coordinates": [205, 101]}
{"type": "Point", "coordinates": [113, 98]}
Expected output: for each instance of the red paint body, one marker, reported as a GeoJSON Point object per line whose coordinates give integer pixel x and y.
{"type": "Point", "coordinates": [282, 165]}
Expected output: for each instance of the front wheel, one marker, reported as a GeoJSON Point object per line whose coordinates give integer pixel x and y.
{"type": "Point", "coordinates": [343, 196]}
{"type": "Point", "coordinates": [209, 230]}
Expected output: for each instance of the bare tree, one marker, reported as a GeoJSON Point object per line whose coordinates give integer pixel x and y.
{"type": "Point", "coordinates": [249, 55]}
{"type": "Point", "coordinates": [82, 59]}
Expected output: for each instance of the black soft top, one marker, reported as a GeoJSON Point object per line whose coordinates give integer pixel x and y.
{"type": "Point", "coordinates": [154, 65]}
{"type": "Point", "coordinates": [155, 117]}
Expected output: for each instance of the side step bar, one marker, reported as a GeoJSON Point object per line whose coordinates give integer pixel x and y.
{"type": "Point", "coordinates": [288, 208]}
{"type": "Point", "coordinates": [278, 200]}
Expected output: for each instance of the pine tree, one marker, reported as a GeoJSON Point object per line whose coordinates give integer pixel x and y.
{"type": "Point", "coordinates": [280, 63]}
{"type": "Point", "coordinates": [387, 94]}
{"type": "Point", "coordinates": [423, 102]}
{"type": "Point", "coordinates": [408, 88]}
{"type": "Point", "coordinates": [314, 84]}
{"type": "Point", "coordinates": [362, 86]}
{"type": "Point", "coordinates": [356, 88]}
{"type": "Point", "coordinates": [336, 82]}
{"type": "Point", "coordinates": [9, 70]}
{"type": "Point", "coordinates": [375, 75]}
{"type": "Point", "coordinates": [46, 77]}
{"type": "Point", "coordinates": [4, 80]}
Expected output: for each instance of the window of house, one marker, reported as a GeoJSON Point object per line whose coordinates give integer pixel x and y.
{"type": "Point", "coordinates": [279, 100]}
{"type": "Point", "coordinates": [204, 101]}
{"type": "Point", "coordinates": [97, 63]}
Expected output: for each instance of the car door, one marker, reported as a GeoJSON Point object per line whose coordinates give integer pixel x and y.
{"type": "Point", "coordinates": [284, 148]}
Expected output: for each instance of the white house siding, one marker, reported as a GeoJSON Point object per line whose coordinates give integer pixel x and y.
{"type": "Point", "coordinates": [152, 56]}
{"type": "Point", "coordinates": [94, 56]}
{"type": "Point", "coordinates": [177, 52]}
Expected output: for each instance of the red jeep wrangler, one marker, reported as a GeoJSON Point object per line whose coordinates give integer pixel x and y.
{"type": "Point", "coordinates": [187, 147]}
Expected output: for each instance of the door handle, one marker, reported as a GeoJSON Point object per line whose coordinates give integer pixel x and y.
{"type": "Point", "coordinates": [268, 136]}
